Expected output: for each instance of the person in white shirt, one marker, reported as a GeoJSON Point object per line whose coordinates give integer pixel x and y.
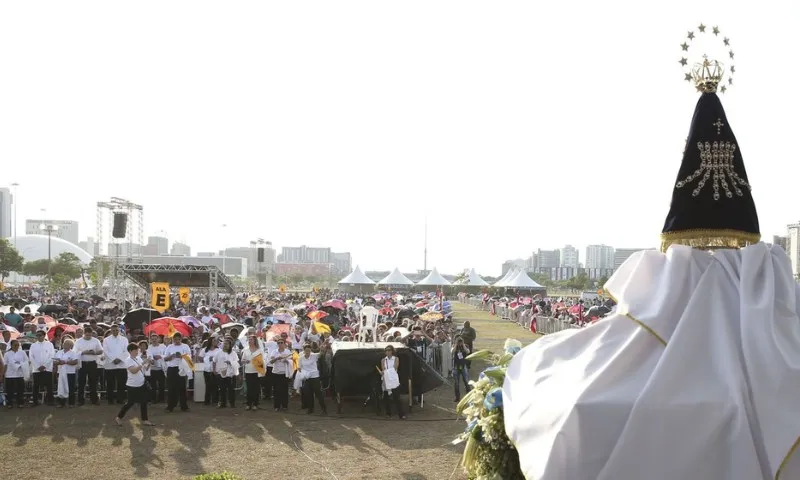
{"type": "Point", "coordinates": [270, 346]}
{"type": "Point", "coordinates": [207, 353]}
{"type": "Point", "coordinates": [115, 350]}
{"type": "Point", "coordinates": [298, 339]}
{"type": "Point", "coordinates": [89, 349]}
{"type": "Point", "coordinates": [41, 355]}
{"type": "Point", "coordinates": [67, 361]}
{"type": "Point", "coordinates": [309, 366]}
{"type": "Point", "coordinates": [176, 384]}
{"type": "Point", "coordinates": [137, 392]}
{"type": "Point", "coordinates": [281, 361]}
{"type": "Point", "coordinates": [226, 366]}
{"type": "Point", "coordinates": [157, 371]}
{"type": "Point", "coordinates": [390, 368]}
{"type": "Point", "coordinates": [16, 360]}
{"type": "Point", "coordinates": [251, 374]}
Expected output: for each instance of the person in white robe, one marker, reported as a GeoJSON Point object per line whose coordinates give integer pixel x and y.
{"type": "Point", "coordinates": [696, 376]}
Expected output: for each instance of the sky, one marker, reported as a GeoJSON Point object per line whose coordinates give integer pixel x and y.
{"type": "Point", "coordinates": [510, 125]}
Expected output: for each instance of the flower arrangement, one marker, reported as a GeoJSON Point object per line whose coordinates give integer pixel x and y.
{"type": "Point", "coordinates": [488, 454]}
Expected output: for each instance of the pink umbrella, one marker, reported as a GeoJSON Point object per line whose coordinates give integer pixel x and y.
{"type": "Point", "coordinates": [191, 321]}
{"type": "Point", "coordinates": [335, 303]}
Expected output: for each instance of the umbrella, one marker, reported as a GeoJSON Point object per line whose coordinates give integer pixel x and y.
{"type": "Point", "coordinates": [321, 328]}
{"type": "Point", "coordinates": [277, 330]}
{"type": "Point", "coordinates": [8, 328]}
{"type": "Point", "coordinates": [253, 299]}
{"type": "Point", "coordinates": [106, 305]}
{"type": "Point", "coordinates": [32, 307]}
{"type": "Point", "coordinates": [431, 316]}
{"type": "Point", "coordinates": [335, 303]}
{"type": "Point", "coordinates": [52, 308]}
{"type": "Point", "coordinates": [168, 326]}
{"type": "Point", "coordinates": [386, 311]}
{"type": "Point", "coordinates": [223, 318]}
{"type": "Point", "coordinates": [317, 315]}
{"type": "Point", "coordinates": [97, 298]}
{"type": "Point", "coordinates": [48, 320]}
{"type": "Point", "coordinates": [282, 317]}
{"type": "Point", "coordinates": [67, 321]}
{"type": "Point", "coordinates": [64, 329]}
{"type": "Point", "coordinates": [135, 318]}
{"type": "Point", "coordinates": [82, 303]}
{"type": "Point", "coordinates": [191, 321]}
{"type": "Point", "coordinates": [15, 301]}
{"type": "Point", "coordinates": [286, 311]}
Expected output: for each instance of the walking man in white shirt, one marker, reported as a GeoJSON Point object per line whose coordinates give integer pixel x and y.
{"type": "Point", "coordinates": [41, 355]}
{"type": "Point", "coordinates": [176, 384]}
{"type": "Point", "coordinates": [137, 393]}
{"type": "Point", "coordinates": [90, 350]}
{"type": "Point", "coordinates": [115, 347]}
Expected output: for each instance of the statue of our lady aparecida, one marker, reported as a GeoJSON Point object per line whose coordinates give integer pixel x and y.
{"type": "Point", "coordinates": [696, 375]}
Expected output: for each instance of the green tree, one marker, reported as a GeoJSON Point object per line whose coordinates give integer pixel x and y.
{"type": "Point", "coordinates": [36, 268]}
{"type": "Point", "coordinates": [542, 279]}
{"type": "Point", "coordinates": [10, 259]}
{"type": "Point", "coordinates": [602, 281]}
{"type": "Point", "coordinates": [67, 265]}
{"type": "Point", "coordinates": [462, 277]}
{"type": "Point", "coordinates": [99, 263]}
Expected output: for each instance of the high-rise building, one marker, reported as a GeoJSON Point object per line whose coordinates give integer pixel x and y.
{"type": "Point", "coordinates": [157, 246]}
{"type": "Point", "coordinates": [570, 257]}
{"type": "Point", "coordinates": [599, 257]}
{"type": "Point", "coordinates": [90, 246]}
{"type": "Point", "coordinates": [6, 213]}
{"type": "Point", "coordinates": [512, 264]}
{"type": "Point", "coordinates": [548, 258]}
{"type": "Point", "coordinates": [793, 246]}
{"type": "Point", "coordinates": [65, 229]}
{"type": "Point", "coordinates": [781, 241]}
{"type": "Point", "coordinates": [182, 249]}
{"type": "Point", "coordinates": [622, 254]}
{"type": "Point", "coordinates": [342, 263]}
{"type": "Point", "coordinates": [304, 254]}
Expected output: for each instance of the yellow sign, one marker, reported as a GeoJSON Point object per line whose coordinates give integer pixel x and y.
{"type": "Point", "coordinates": [184, 295]}
{"type": "Point", "coordinates": [600, 292]}
{"type": "Point", "coordinates": [283, 288]}
{"type": "Point", "coordinates": [159, 296]}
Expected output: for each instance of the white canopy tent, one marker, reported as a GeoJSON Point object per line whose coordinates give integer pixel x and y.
{"type": "Point", "coordinates": [522, 280]}
{"type": "Point", "coordinates": [434, 278]}
{"type": "Point", "coordinates": [509, 274]}
{"type": "Point", "coordinates": [475, 280]}
{"type": "Point", "coordinates": [396, 278]}
{"type": "Point", "coordinates": [356, 277]}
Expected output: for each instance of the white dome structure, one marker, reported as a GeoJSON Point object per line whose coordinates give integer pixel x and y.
{"type": "Point", "coordinates": [34, 247]}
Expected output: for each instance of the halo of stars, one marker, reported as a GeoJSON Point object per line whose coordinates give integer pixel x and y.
{"type": "Point", "coordinates": [687, 43]}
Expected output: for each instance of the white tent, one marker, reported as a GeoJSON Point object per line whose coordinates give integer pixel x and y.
{"type": "Point", "coordinates": [395, 278]}
{"type": "Point", "coordinates": [356, 278]}
{"type": "Point", "coordinates": [522, 280]}
{"type": "Point", "coordinates": [475, 280]}
{"type": "Point", "coordinates": [509, 274]}
{"type": "Point", "coordinates": [434, 278]}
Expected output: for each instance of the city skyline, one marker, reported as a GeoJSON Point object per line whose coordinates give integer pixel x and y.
{"type": "Point", "coordinates": [311, 144]}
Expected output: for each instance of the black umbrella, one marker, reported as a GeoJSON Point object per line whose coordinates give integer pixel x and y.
{"type": "Point", "coordinates": [82, 303]}
{"type": "Point", "coordinates": [134, 319]}
{"type": "Point", "coordinates": [16, 302]}
{"type": "Point", "coordinates": [52, 308]}
{"type": "Point", "coordinates": [68, 321]}
{"type": "Point", "coordinates": [97, 298]}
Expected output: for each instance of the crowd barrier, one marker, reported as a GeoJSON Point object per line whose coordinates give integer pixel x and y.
{"type": "Point", "coordinates": [544, 325]}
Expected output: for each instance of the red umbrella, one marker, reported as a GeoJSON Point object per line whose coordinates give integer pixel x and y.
{"type": "Point", "coordinates": [222, 318]}
{"type": "Point", "coordinates": [168, 327]}
{"type": "Point", "coordinates": [64, 329]}
{"type": "Point", "coordinates": [317, 315]}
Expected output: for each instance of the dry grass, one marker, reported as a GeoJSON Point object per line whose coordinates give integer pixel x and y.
{"type": "Point", "coordinates": [85, 442]}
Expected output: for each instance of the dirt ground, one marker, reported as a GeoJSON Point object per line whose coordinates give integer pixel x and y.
{"type": "Point", "coordinates": [84, 442]}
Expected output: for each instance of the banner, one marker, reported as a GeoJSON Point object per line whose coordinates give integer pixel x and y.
{"type": "Point", "coordinates": [184, 295]}
{"type": "Point", "coordinates": [283, 288]}
{"type": "Point", "coordinates": [159, 296]}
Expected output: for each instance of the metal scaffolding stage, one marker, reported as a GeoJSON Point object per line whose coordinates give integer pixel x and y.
{"type": "Point", "coordinates": [192, 276]}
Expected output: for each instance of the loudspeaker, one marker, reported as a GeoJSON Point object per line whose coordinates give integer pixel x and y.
{"type": "Point", "coordinates": [120, 225]}
{"type": "Point", "coordinates": [260, 254]}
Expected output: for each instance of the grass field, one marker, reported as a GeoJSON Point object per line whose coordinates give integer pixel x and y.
{"type": "Point", "coordinates": [85, 442]}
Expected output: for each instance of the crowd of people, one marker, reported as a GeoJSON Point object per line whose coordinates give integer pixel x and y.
{"type": "Point", "coordinates": [245, 348]}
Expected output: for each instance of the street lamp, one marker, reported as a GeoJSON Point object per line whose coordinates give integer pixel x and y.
{"type": "Point", "coordinates": [49, 229]}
